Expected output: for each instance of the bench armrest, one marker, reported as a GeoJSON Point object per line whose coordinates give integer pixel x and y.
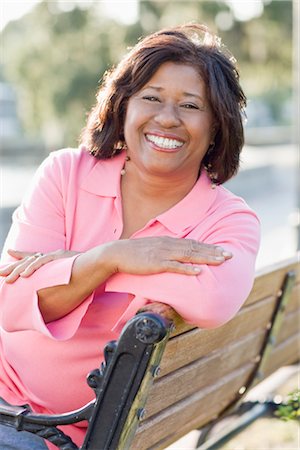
{"type": "Point", "coordinates": [128, 370]}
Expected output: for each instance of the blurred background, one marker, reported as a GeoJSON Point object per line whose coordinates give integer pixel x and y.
{"type": "Point", "coordinates": [54, 53]}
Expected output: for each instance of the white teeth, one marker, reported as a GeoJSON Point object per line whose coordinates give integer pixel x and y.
{"type": "Point", "coordinates": [164, 142]}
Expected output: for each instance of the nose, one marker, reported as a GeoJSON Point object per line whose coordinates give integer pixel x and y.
{"type": "Point", "coordinates": [168, 116]}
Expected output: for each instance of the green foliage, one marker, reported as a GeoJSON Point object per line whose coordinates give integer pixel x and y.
{"type": "Point", "coordinates": [290, 410]}
{"type": "Point", "coordinates": [56, 58]}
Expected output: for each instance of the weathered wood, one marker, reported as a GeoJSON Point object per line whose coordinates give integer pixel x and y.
{"type": "Point", "coordinates": [294, 302]}
{"type": "Point", "coordinates": [204, 371]}
{"type": "Point", "coordinates": [268, 281]}
{"type": "Point", "coordinates": [216, 396]}
{"type": "Point", "coordinates": [290, 326]}
{"type": "Point", "coordinates": [285, 353]}
{"type": "Point", "coordinates": [183, 349]}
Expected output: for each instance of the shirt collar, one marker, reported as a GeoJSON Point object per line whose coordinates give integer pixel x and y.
{"type": "Point", "coordinates": [189, 212]}
{"type": "Point", "coordinates": [104, 180]}
{"type": "Point", "coordinates": [104, 177]}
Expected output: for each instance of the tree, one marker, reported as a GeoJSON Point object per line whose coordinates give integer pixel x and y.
{"type": "Point", "coordinates": [56, 58]}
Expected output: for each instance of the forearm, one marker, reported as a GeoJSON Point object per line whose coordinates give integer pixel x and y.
{"type": "Point", "coordinates": [90, 270]}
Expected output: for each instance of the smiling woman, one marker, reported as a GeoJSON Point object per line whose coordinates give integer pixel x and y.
{"type": "Point", "coordinates": [135, 215]}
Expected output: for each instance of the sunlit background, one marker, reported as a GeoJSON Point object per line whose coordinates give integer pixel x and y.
{"type": "Point", "coordinates": [53, 54]}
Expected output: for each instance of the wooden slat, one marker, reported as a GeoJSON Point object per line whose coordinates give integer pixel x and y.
{"type": "Point", "coordinates": [286, 265]}
{"type": "Point", "coordinates": [294, 302]}
{"type": "Point", "coordinates": [203, 372]}
{"type": "Point", "coordinates": [204, 406]}
{"type": "Point", "coordinates": [189, 346]}
{"type": "Point", "coordinates": [287, 352]}
{"type": "Point", "coordinates": [268, 282]}
{"type": "Point", "coordinates": [290, 326]}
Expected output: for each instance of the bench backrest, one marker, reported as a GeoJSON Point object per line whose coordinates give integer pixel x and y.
{"type": "Point", "coordinates": [204, 372]}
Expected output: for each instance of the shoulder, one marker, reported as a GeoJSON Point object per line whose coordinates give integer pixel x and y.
{"type": "Point", "coordinates": [230, 215]}
{"type": "Point", "coordinates": [67, 166]}
{"type": "Point", "coordinates": [69, 158]}
{"type": "Point", "coordinates": [227, 203]}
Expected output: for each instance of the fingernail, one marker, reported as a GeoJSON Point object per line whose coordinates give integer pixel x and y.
{"type": "Point", "coordinates": [196, 269]}
{"type": "Point", "coordinates": [219, 258]}
{"type": "Point", "coordinates": [225, 253]}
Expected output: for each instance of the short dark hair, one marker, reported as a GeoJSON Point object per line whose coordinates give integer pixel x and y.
{"type": "Point", "coordinates": [190, 44]}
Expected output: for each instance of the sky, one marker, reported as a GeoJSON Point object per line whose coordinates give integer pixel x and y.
{"type": "Point", "coordinates": [123, 10]}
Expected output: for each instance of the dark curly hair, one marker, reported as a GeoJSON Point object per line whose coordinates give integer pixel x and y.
{"type": "Point", "coordinates": [190, 44]}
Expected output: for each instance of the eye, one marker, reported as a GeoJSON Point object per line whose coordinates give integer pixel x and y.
{"type": "Point", "coordinates": [190, 106]}
{"type": "Point", "coordinates": [150, 98]}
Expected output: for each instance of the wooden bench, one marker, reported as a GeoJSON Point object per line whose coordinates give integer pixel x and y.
{"type": "Point", "coordinates": [165, 378]}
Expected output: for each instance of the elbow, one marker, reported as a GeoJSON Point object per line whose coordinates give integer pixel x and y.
{"type": "Point", "coordinates": [215, 312]}
{"type": "Point", "coordinates": [215, 320]}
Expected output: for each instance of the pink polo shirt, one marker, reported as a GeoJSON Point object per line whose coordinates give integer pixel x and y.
{"type": "Point", "coordinates": [75, 203]}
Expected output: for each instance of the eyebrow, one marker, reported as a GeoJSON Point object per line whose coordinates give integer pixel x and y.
{"type": "Point", "coordinates": [186, 94]}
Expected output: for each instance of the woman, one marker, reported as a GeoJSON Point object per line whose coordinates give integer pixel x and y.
{"type": "Point", "coordinates": [137, 214]}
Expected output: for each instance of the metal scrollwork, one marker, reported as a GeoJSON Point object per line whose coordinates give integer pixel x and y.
{"type": "Point", "coordinates": [95, 377]}
{"type": "Point", "coordinates": [52, 434]}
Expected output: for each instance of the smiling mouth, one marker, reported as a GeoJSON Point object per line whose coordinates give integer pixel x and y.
{"type": "Point", "coordinates": [164, 143]}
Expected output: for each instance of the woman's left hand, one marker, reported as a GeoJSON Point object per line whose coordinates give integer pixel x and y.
{"type": "Point", "coordinates": [28, 262]}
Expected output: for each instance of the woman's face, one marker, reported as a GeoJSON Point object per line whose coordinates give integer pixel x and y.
{"type": "Point", "coordinates": [169, 124]}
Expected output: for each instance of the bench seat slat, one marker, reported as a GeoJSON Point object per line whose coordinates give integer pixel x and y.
{"type": "Point", "coordinates": [191, 345]}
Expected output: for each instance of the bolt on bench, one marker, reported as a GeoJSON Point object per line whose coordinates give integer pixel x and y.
{"type": "Point", "coordinates": [164, 378]}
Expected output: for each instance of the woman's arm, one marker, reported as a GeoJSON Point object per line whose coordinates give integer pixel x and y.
{"type": "Point", "coordinates": [143, 256]}
{"type": "Point", "coordinates": [216, 294]}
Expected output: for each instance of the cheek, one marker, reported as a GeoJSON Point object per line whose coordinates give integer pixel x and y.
{"type": "Point", "coordinates": [132, 122]}
{"type": "Point", "coordinates": [205, 129]}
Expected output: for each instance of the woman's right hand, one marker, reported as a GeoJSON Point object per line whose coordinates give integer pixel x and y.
{"type": "Point", "coordinates": [163, 254]}
{"type": "Point", "coordinates": [28, 262]}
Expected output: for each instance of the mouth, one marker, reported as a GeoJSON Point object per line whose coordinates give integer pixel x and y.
{"type": "Point", "coordinates": [164, 143]}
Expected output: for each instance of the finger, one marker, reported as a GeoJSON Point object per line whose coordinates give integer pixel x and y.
{"type": "Point", "coordinates": [19, 268]}
{"type": "Point", "coordinates": [8, 269]}
{"type": "Point", "coordinates": [19, 255]}
{"type": "Point", "coordinates": [4, 271]}
{"type": "Point", "coordinates": [209, 249]}
{"type": "Point", "coordinates": [38, 262]}
{"type": "Point", "coordinates": [178, 267]}
{"type": "Point", "coordinates": [197, 252]}
{"type": "Point", "coordinates": [198, 258]}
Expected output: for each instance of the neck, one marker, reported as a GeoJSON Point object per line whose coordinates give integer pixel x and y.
{"type": "Point", "coordinates": [167, 190]}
